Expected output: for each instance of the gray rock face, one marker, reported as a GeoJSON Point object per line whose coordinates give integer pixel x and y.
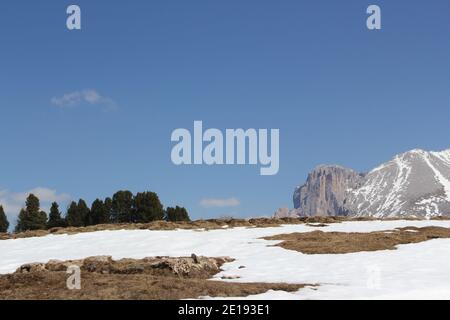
{"type": "Point", "coordinates": [414, 184]}
{"type": "Point", "coordinates": [286, 213]}
{"type": "Point", "coordinates": [282, 213]}
{"type": "Point", "coordinates": [325, 191]}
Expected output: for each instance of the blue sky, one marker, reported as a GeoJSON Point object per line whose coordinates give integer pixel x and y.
{"type": "Point", "coordinates": [338, 92]}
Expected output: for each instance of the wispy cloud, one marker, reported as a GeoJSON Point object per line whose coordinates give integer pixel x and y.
{"type": "Point", "coordinates": [12, 202]}
{"type": "Point", "coordinates": [89, 96]}
{"type": "Point", "coordinates": [219, 203]}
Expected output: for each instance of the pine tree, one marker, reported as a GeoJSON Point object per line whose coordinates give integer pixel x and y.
{"type": "Point", "coordinates": [147, 207]}
{"type": "Point", "coordinates": [177, 214]}
{"type": "Point", "coordinates": [108, 209]}
{"type": "Point", "coordinates": [4, 224]}
{"type": "Point", "coordinates": [78, 214]}
{"type": "Point", "coordinates": [54, 218]}
{"type": "Point", "coordinates": [122, 207]}
{"type": "Point", "coordinates": [31, 218]}
{"type": "Point", "coordinates": [42, 220]}
{"type": "Point", "coordinates": [73, 218]}
{"type": "Point", "coordinates": [22, 221]}
{"type": "Point", "coordinates": [84, 212]}
{"type": "Point", "coordinates": [99, 212]}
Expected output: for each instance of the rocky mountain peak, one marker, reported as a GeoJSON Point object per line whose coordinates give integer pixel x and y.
{"type": "Point", "coordinates": [415, 183]}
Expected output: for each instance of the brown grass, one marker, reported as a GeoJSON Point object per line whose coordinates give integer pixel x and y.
{"type": "Point", "coordinates": [318, 242]}
{"type": "Point", "coordinates": [146, 279]}
{"type": "Point", "coordinates": [51, 286]}
{"type": "Point", "coordinates": [211, 224]}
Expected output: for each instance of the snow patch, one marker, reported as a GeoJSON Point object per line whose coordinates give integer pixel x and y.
{"type": "Point", "coordinates": [419, 270]}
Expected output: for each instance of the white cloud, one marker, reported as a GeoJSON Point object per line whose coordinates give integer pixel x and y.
{"type": "Point", "coordinates": [88, 96]}
{"type": "Point", "coordinates": [12, 202]}
{"type": "Point", "coordinates": [219, 203]}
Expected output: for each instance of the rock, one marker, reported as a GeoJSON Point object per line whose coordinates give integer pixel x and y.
{"type": "Point", "coordinates": [184, 267]}
{"type": "Point", "coordinates": [282, 213]}
{"type": "Point", "coordinates": [31, 268]}
{"type": "Point", "coordinates": [194, 257]}
{"type": "Point", "coordinates": [98, 259]}
{"type": "Point", "coordinates": [57, 265]}
{"type": "Point", "coordinates": [98, 264]}
{"type": "Point", "coordinates": [194, 266]}
{"type": "Point", "coordinates": [325, 191]}
{"type": "Point", "coordinates": [230, 277]}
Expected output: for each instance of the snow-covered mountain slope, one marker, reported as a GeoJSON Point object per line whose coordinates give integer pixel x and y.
{"type": "Point", "coordinates": [415, 183]}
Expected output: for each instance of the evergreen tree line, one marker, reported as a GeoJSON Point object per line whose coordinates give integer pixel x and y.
{"type": "Point", "coordinates": [123, 207]}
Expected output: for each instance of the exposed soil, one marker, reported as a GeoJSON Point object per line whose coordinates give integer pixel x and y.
{"type": "Point", "coordinates": [159, 278]}
{"type": "Point", "coordinates": [318, 242]}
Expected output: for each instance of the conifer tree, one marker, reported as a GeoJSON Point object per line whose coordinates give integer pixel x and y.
{"type": "Point", "coordinates": [84, 212]}
{"type": "Point", "coordinates": [99, 212]}
{"type": "Point", "coordinates": [4, 224]}
{"type": "Point", "coordinates": [147, 207]}
{"type": "Point", "coordinates": [31, 217]}
{"type": "Point", "coordinates": [54, 218]}
{"type": "Point", "coordinates": [122, 207]}
{"type": "Point", "coordinates": [177, 214]}
{"type": "Point", "coordinates": [73, 218]}
{"type": "Point", "coordinates": [78, 214]}
{"type": "Point", "coordinates": [108, 209]}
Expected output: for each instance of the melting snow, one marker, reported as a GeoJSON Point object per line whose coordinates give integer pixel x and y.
{"type": "Point", "coordinates": [413, 271]}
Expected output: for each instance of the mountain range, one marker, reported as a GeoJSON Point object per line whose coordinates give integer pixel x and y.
{"type": "Point", "coordinates": [413, 184]}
